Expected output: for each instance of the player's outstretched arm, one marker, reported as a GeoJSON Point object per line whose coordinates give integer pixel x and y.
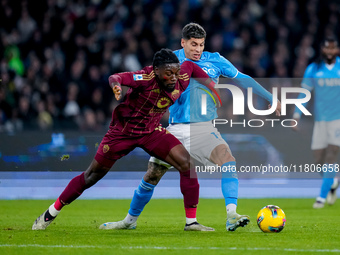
{"type": "Point", "coordinates": [246, 81]}
{"type": "Point", "coordinates": [198, 74]}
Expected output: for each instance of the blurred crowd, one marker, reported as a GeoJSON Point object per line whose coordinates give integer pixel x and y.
{"type": "Point", "coordinates": [56, 55]}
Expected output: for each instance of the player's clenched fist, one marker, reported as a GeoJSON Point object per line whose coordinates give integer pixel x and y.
{"type": "Point", "coordinates": [117, 90]}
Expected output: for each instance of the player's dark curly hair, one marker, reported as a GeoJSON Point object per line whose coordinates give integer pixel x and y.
{"type": "Point", "coordinates": [329, 39]}
{"type": "Point", "coordinates": [193, 30]}
{"type": "Point", "coordinates": [164, 56]}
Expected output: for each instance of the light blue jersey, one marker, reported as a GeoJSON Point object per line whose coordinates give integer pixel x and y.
{"type": "Point", "coordinates": [215, 66]}
{"type": "Point", "coordinates": [325, 81]}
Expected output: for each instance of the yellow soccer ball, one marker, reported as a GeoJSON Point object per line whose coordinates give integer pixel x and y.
{"type": "Point", "coordinates": [271, 219]}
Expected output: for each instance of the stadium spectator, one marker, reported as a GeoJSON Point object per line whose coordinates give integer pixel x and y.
{"type": "Point", "coordinates": [121, 35]}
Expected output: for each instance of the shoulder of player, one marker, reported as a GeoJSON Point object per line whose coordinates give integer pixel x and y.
{"type": "Point", "coordinates": [180, 55]}
{"type": "Point", "coordinates": [312, 67]}
{"type": "Point", "coordinates": [337, 60]}
{"type": "Point", "coordinates": [178, 52]}
{"type": "Point", "coordinates": [144, 75]}
{"type": "Point", "coordinates": [185, 67]}
{"type": "Point", "coordinates": [207, 55]}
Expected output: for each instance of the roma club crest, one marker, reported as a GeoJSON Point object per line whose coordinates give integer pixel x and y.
{"type": "Point", "coordinates": [106, 148]}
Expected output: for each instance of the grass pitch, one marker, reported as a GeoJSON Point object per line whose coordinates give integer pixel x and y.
{"type": "Point", "coordinates": [160, 229]}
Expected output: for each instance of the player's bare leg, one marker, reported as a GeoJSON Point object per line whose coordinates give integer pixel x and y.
{"type": "Point", "coordinates": [329, 182]}
{"type": "Point", "coordinates": [222, 156]}
{"type": "Point", "coordinates": [73, 190]}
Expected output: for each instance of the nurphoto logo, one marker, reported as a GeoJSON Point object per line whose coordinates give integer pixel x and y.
{"type": "Point", "coordinates": [238, 106]}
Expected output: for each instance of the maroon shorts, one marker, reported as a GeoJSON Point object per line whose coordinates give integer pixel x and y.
{"type": "Point", "coordinates": [116, 144]}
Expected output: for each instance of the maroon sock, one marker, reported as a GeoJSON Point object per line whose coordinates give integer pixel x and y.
{"type": "Point", "coordinates": [189, 188]}
{"type": "Point", "coordinates": [190, 212]}
{"type": "Point", "coordinates": [58, 205]}
{"type": "Point", "coordinates": [73, 190]}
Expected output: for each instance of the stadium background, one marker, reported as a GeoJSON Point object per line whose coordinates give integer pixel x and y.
{"type": "Point", "coordinates": [56, 57]}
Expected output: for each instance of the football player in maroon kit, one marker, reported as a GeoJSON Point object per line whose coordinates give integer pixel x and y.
{"type": "Point", "coordinates": [135, 123]}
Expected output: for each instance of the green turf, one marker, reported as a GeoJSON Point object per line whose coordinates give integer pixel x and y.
{"type": "Point", "coordinates": [160, 229]}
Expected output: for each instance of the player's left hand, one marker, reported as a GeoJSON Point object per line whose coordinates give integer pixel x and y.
{"type": "Point", "coordinates": [278, 108]}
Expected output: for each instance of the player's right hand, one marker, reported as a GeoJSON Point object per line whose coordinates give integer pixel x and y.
{"type": "Point", "coordinates": [117, 90]}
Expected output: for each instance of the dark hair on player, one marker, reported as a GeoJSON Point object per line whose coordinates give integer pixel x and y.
{"type": "Point", "coordinates": [329, 39]}
{"type": "Point", "coordinates": [164, 56]}
{"type": "Point", "coordinates": [193, 30]}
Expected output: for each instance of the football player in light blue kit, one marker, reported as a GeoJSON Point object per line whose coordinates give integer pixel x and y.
{"type": "Point", "coordinates": [198, 135]}
{"type": "Point", "coordinates": [323, 76]}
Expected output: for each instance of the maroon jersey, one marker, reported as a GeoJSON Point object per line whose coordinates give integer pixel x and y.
{"type": "Point", "coordinates": [146, 102]}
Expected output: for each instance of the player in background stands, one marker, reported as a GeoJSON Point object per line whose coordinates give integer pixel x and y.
{"type": "Point", "coordinates": [323, 76]}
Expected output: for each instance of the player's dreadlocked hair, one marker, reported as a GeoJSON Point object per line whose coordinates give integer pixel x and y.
{"type": "Point", "coordinates": [193, 30]}
{"type": "Point", "coordinates": [164, 56]}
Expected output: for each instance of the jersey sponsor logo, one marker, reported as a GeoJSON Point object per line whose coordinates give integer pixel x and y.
{"type": "Point", "coordinates": [137, 77]}
{"type": "Point", "coordinates": [210, 71]}
{"type": "Point", "coordinates": [106, 148]}
{"type": "Point", "coordinates": [163, 102]}
{"type": "Point", "coordinates": [331, 82]}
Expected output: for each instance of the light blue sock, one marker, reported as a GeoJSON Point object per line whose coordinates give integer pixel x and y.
{"type": "Point", "coordinates": [327, 181]}
{"type": "Point", "coordinates": [141, 197]}
{"type": "Point", "coordinates": [229, 183]}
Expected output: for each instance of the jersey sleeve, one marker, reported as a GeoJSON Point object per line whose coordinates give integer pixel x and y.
{"type": "Point", "coordinates": [246, 81]}
{"type": "Point", "coordinates": [308, 76]}
{"type": "Point", "coordinates": [194, 71]}
{"type": "Point", "coordinates": [307, 83]}
{"type": "Point", "coordinates": [130, 79]}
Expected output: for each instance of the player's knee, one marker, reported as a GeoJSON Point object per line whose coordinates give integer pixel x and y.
{"type": "Point", "coordinates": [230, 158]}
{"type": "Point", "coordinates": [185, 165]}
{"type": "Point", "coordinates": [221, 155]}
{"type": "Point", "coordinates": [331, 154]}
{"type": "Point", "coordinates": [182, 161]}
